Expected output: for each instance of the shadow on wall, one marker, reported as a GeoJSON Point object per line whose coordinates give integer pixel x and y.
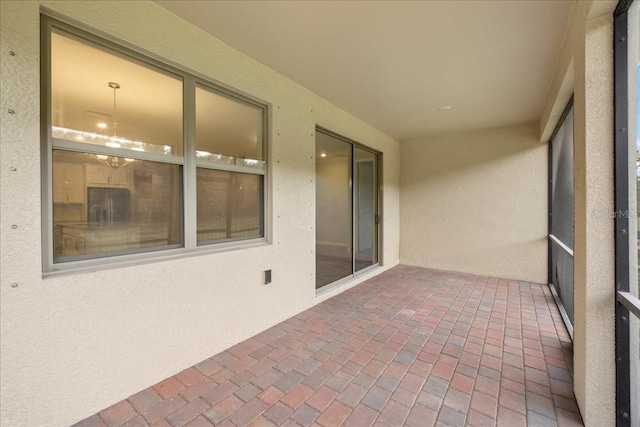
{"type": "Point", "coordinates": [476, 202]}
{"type": "Point", "coordinates": [458, 151]}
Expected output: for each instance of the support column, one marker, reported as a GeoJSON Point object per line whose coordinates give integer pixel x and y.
{"type": "Point", "coordinates": [594, 275]}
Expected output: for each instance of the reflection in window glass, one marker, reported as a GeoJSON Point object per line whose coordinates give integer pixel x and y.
{"type": "Point", "coordinates": [105, 205]}
{"type": "Point", "coordinates": [334, 232]}
{"type": "Point", "coordinates": [99, 97]}
{"type": "Point", "coordinates": [228, 130]}
{"type": "Point", "coordinates": [366, 196]}
{"type": "Point", "coordinates": [116, 123]}
{"type": "Point", "coordinates": [229, 205]}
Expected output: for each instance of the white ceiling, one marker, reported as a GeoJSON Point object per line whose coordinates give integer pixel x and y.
{"type": "Point", "coordinates": [393, 63]}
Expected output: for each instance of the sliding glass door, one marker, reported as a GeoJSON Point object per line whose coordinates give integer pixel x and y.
{"type": "Point", "coordinates": [366, 202]}
{"type": "Point", "coordinates": [346, 208]}
{"type": "Point", "coordinates": [334, 246]}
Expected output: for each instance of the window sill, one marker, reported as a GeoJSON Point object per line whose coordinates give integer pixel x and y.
{"type": "Point", "coordinates": [122, 261]}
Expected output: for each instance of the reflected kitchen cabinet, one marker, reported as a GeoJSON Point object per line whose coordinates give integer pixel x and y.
{"type": "Point", "coordinates": [83, 238]}
{"type": "Point", "coordinates": [105, 176]}
{"type": "Point", "coordinates": [68, 183]}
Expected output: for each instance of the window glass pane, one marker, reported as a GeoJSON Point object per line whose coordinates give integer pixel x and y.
{"type": "Point", "coordinates": [105, 205]}
{"type": "Point", "coordinates": [334, 232]}
{"type": "Point", "coordinates": [366, 202]}
{"type": "Point", "coordinates": [227, 130]}
{"type": "Point", "coordinates": [229, 205]}
{"type": "Point", "coordinates": [107, 201]}
{"type": "Point", "coordinates": [146, 114]}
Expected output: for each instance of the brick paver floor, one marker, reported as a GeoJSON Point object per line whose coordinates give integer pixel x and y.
{"type": "Point", "coordinates": [412, 346]}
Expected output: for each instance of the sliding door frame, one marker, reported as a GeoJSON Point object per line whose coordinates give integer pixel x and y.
{"type": "Point", "coordinates": [377, 212]}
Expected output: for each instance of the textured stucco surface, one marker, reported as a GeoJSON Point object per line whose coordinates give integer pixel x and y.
{"type": "Point", "coordinates": [585, 66]}
{"type": "Point", "coordinates": [594, 273]}
{"type": "Point", "coordinates": [74, 344]}
{"type": "Point", "coordinates": [476, 202]}
{"type": "Point", "coordinates": [561, 88]}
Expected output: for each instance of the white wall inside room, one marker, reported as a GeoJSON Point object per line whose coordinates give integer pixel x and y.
{"type": "Point", "coordinates": [332, 189]}
{"type": "Point", "coordinates": [80, 342]}
{"type": "Point", "coordinates": [476, 202]}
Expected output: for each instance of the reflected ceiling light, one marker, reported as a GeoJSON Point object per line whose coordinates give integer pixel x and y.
{"type": "Point", "coordinates": [113, 141]}
{"type": "Point", "coordinates": [100, 139]}
{"type": "Point", "coordinates": [444, 108]}
{"type": "Point", "coordinates": [113, 161]}
{"type": "Point", "coordinates": [102, 125]}
{"type": "Point", "coordinates": [115, 86]}
{"type": "Point", "coordinates": [230, 160]}
{"type": "Point", "coordinates": [323, 154]}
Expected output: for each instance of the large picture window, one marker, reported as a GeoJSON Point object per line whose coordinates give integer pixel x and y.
{"type": "Point", "coordinates": [139, 156]}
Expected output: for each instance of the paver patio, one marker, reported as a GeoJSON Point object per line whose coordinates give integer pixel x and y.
{"type": "Point", "coordinates": [412, 346]}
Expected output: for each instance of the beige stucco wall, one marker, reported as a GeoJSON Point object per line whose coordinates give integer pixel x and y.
{"type": "Point", "coordinates": [594, 250]}
{"type": "Point", "coordinates": [74, 344]}
{"type": "Point", "coordinates": [585, 66]}
{"type": "Point", "coordinates": [476, 202]}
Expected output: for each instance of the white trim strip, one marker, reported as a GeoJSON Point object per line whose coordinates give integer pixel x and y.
{"type": "Point", "coordinates": [630, 301]}
{"type": "Point", "coordinates": [561, 245]}
{"type": "Point", "coordinates": [63, 144]}
{"type": "Point", "coordinates": [230, 168]}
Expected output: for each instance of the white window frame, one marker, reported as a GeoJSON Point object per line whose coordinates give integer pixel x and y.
{"type": "Point", "coordinates": [188, 160]}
